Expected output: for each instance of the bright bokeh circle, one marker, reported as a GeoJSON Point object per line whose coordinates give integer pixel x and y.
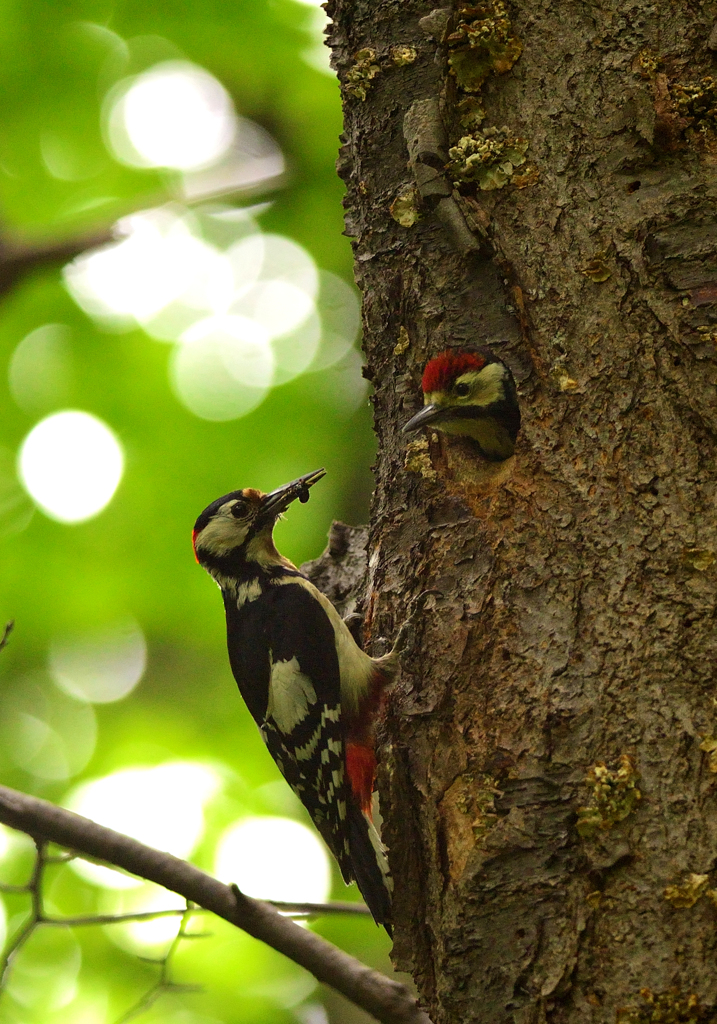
{"type": "Point", "coordinates": [162, 806]}
{"type": "Point", "coordinates": [224, 367]}
{"type": "Point", "coordinates": [71, 464]}
{"type": "Point", "coordinates": [174, 115]}
{"type": "Point", "coordinates": [100, 667]}
{"type": "Point", "coordinates": [276, 859]}
{"type": "Point", "coordinates": [141, 936]}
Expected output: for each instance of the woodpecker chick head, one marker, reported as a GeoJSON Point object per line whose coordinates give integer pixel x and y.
{"type": "Point", "coordinates": [471, 392]}
{"type": "Point", "coordinates": [239, 525]}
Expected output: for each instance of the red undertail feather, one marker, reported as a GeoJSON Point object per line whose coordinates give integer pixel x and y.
{"type": "Point", "coordinates": [441, 371]}
{"type": "Point", "coordinates": [361, 770]}
{"type": "Point", "coordinates": [194, 546]}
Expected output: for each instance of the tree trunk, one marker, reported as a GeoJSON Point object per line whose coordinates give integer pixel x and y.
{"type": "Point", "coordinates": [548, 778]}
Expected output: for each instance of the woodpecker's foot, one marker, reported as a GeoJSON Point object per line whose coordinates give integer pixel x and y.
{"type": "Point", "coordinates": [407, 633]}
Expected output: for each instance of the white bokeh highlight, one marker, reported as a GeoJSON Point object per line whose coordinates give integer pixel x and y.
{"type": "Point", "coordinates": [100, 667]}
{"type": "Point", "coordinates": [224, 368]}
{"type": "Point", "coordinates": [162, 806]}
{"type": "Point", "coordinates": [45, 732]}
{"type": "Point", "coordinates": [71, 464]}
{"type": "Point", "coordinates": [141, 937]}
{"type": "Point", "coordinates": [47, 981]}
{"type": "Point", "coordinates": [276, 859]}
{"type": "Point", "coordinates": [40, 368]}
{"type": "Point", "coordinates": [174, 115]}
{"type": "Point", "coordinates": [244, 315]}
{"type": "Point", "coordinates": [159, 261]}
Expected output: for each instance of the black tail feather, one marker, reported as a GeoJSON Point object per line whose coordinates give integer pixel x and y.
{"type": "Point", "coordinates": [367, 872]}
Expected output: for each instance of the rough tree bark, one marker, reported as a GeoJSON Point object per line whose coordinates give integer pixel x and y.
{"type": "Point", "coordinates": [548, 780]}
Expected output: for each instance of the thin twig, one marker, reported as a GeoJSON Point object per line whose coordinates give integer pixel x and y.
{"type": "Point", "coordinates": [6, 633]}
{"type": "Point", "coordinates": [300, 910]}
{"type": "Point", "coordinates": [104, 919]}
{"type": "Point", "coordinates": [34, 887]}
{"type": "Point", "coordinates": [164, 982]}
{"type": "Point", "coordinates": [319, 909]}
{"type": "Point", "coordinates": [388, 1001]}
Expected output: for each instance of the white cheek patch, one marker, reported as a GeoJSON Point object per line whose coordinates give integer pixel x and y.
{"type": "Point", "coordinates": [221, 535]}
{"type": "Point", "coordinates": [291, 693]}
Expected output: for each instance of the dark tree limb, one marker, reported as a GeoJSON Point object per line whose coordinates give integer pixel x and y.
{"type": "Point", "coordinates": [18, 259]}
{"type": "Point", "coordinates": [387, 1001]}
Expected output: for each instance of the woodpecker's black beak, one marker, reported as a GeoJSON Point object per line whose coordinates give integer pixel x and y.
{"type": "Point", "coordinates": [428, 414]}
{"type": "Point", "coordinates": [279, 500]}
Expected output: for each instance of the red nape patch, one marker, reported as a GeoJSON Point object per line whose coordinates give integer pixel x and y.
{"type": "Point", "coordinates": [361, 770]}
{"type": "Point", "coordinates": [443, 370]}
{"type": "Point", "coordinates": [194, 546]}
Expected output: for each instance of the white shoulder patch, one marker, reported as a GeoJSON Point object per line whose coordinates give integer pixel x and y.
{"type": "Point", "coordinates": [355, 666]}
{"type": "Point", "coordinates": [291, 693]}
{"type": "Point", "coordinates": [247, 592]}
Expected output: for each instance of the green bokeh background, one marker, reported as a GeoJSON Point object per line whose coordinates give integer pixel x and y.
{"type": "Point", "coordinates": [134, 559]}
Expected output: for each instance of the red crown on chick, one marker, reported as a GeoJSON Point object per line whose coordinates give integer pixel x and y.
{"type": "Point", "coordinates": [441, 371]}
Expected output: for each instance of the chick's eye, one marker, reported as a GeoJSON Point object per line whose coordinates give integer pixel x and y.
{"type": "Point", "coordinates": [239, 509]}
{"type": "Point", "coordinates": [462, 390]}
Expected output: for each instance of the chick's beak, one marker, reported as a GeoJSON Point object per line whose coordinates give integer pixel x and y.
{"type": "Point", "coordinates": [279, 500]}
{"type": "Point", "coordinates": [428, 414]}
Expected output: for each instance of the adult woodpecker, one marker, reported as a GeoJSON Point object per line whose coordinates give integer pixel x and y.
{"type": "Point", "coordinates": [471, 392]}
{"type": "Point", "coordinates": [311, 690]}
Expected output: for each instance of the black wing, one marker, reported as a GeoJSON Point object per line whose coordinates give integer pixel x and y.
{"type": "Point", "coordinates": [283, 656]}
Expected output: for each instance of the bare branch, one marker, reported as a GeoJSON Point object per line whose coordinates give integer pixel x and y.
{"type": "Point", "coordinates": [17, 259]}
{"type": "Point", "coordinates": [387, 1001]}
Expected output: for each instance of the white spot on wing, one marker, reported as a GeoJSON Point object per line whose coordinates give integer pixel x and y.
{"type": "Point", "coordinates": [355, 666]}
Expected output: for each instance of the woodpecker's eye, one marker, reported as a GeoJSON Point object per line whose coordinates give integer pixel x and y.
{"type": "Point", "coordinates": [239, 509]}
{"type": "Point", "coordinates": [462, 390]}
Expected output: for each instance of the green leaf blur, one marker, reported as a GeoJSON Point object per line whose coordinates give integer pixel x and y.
{"type": "Point", "coordinates": [133, 561]}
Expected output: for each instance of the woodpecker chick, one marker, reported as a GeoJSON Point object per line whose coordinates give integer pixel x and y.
{"type": "Point", "coordinates": [471, 392]}
{"type": "Point", "coordinates": [311, 690]}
